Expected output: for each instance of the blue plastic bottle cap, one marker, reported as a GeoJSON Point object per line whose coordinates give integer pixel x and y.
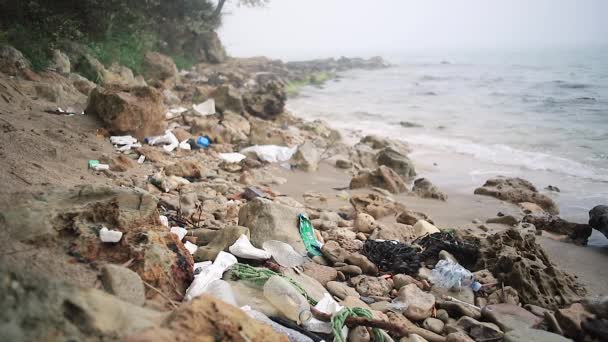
{"type": "Point", "coordinates": [476, 286]}
{"type": "Point", "coordinates": [203, 141]}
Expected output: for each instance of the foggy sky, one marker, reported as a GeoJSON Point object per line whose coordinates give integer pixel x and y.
{"type": "Point", "coordinates": [294, 29]}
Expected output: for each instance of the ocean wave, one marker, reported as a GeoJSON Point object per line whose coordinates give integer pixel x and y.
{"type": "Point", "coordinates": [571, 85]}
{"type": "Point", "coordinates": [506, 155]}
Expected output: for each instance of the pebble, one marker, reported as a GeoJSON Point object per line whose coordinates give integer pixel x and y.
{"type": "Point", "coordinates": [433, 324]}
{"type": "Point", "coordinates": [350, 269]}
{"type": "Point", "coordinates": [421, 304]}
{"type": "Point", "coordinates": [443, 315]}
{"type": "Point", "coordinates": [341, 290]}
{"type": "Point", "coordinates": [124, 283]}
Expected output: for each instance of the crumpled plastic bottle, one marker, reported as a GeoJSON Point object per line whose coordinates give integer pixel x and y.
{"type": "Point", "coordinates": [284, 296]}
{"type": "Point", "coordinates": [449, 274]}
{"type": "Point", "coordinates": [283, 253]}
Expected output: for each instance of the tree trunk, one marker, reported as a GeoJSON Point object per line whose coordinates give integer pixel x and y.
{"type": "Point", "coordinates": [218, 9]}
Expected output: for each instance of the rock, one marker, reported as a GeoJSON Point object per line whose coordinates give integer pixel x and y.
{"type": "Point", "coordinates": [227, 98]}
{"type": "Point", "coordinates": [455, 309]}
{"type": "Point", "coordinates": [50, 92]}
{"type": "Point", "coordinates": [207, 319]}
{"type": "Point", "coordinates": [517, 190]}
{"type": "Point", "coordinates": [362, 262]}
{"type": "Point", "coordinates": [333, 252]}
{"type": "Point", "coordinates": [383, 177]}
{"type": "Point", "coordinates": [208, 47]}
{"type": "Point", "coordinates": [485, 277]}
{"type": "Point", "coordinates": [375, 205]}
{"type": "Point", "coordinates": [350, 270]}
{"type": "Point", "coordinates": [376, 142]}
{"type": "Point", "coordinates": [359, 334]}
{"type": "Point", "coordinates": [433, 324]}
{"type": "Point", "coordinates": [221, 240]}
{"type": "Point", "coordinates": [393, 231]}
{"type": "Point", "coordinates": [266, 98]}
{"type": "Point", "coordinates": [123, 283]}
{"type": "Point", "coordinates": [307, 157]}
{"type": "Point", "coordinates": [422, 228]}
{"type": "Point", "coordinates": [372, 286]}
{"type": "Point", "coordinates": [87, 66]}
{"type": "Point", "coordinates": [344, 164]}
{"type": "Point", "coordinates": [83, 85]}
{"type": "Point", "coordinates": [158, 67]}
{"type": "Point", "coordinates": [413, 338]}
{"type": "Point", "coordinates": [443, 315]}
{"type": "Point", "coordinates": [480, 331]}
{"type": "Point", "coordinates": [398, 162]}
{"type": "Point", "coordinates": [464, 294]}
{"type": "Point", "coordinates": [35, 308]}
{"type": "Point", "coordinates": [506, 295]}
{"type": "Point", "coordinates": [401, 280]}
{"type": "Point", "coordinates": [12, 61]}
{"type": "Point", "coordinates": [529, 208]}
{"type": "Point", "coordinates": [364, 223]}
{"type": "Point", "coordinates": [119, 76]}
{"type": "Point", "coordinates": [518, 261]}
{"type": "Point", "coordinates": [399, 319]}
{"type": "Point", "coordinates": [354, 302]}
{"type": "Point", "coordinates": [411, 217]}
{"type": "Point", "coordinates": [458, 337]}
{"type": "Point", "coordinates": [425, 189]}
{"type": "Point", "coordinates": [268, 220]}
{"type": "Point", "coordinates": [139, 111]}
{"type": "Point", "coordinates": [323, 274]}
{"type": "Point", "coordinates": [527, 335]}
{"type": "Point", "coordinates": [508, 220]}
{"type": "Point", "coordinates": [571, 318]}
{"type": "Point", "coordinates": [120, 163]}
{"type": "Point", "coordinates": [421, 304]}
{"type": "Point", "coordinates": [60, 63]}
{"type": "Point", "coordinates": [341, 290]}
{"type": "Point", "coordinates": [186, 168]}
{"type": "Point", "coordinates": [598, 218]}
{"type": "Point", "coordinates": [578, 233]}
{"type": "Point", "coordinates": [510, 317]}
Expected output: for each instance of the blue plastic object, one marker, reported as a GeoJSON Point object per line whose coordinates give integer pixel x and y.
{"type": "Point", "coordinates": [203, 141]}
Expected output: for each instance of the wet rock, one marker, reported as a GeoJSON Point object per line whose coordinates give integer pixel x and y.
{"type": "Point", "coordinates": [341, 290]}
{"type": "Point", "coordinates": [510, 317]}
{"type": "Point", "coordinates": [425, 189]}
{"type": "Point", "coordinates": [571, 318]}
{"type": "Point", "coordinates": [323, 274]}
{"type": "Point", "coordinates": [221, 240]}
{"type": "Point", "coordinates": [508, 220]}
{"type": "Point", "coordinates": [578, 233]}
{"type": "Point", "coordinates": [485, 277]}
{"type": "Point", "coordinates": [518, 261]}
{"type": "Point", "coordinates": [400, 280]}
{"type": "Point", "coordinates": [364, 223]}
{"type": "Point", "coordinates": [420, 303]}
{"type": "Point", "coordinates": [433, 324]}
{"type": "Point", "coordinates": [362, 262]}
{"type": "Point", "coordinates": [205, 319]}
{"type": "Point", "coordinates": [506, 295]}
{"type": "Point", "coordinates": [411, 217]}
{"type": "Point", "coordinates": [422, 228]}
{"type": "Point", "coordinates": [375, 205]}
{"type": "Point", "coordinates": [480, 331]}
{"type": "Point", "coordinates": [139, 111]}
{"type": "Point", "coordinates": [307, 157]}
{"type": "Point", "coordinates": [527, 334]}
{"type": "Point", "coordinates": [458, 337]}
{"type": "Point", "coordinates": [598, 218]}
{"type": "Point", "coordinates": [398, 162]}
{"type": "Point", "coordinates": [516, 190]}
{"type": "Point", "coordinates": [158, 67]}
{"type": "Point", "coordinates": [266, 98]}
{"type": "Point", "coordinates": [123, 283]}
{"type": "Point", "coordinates": [372, 286]}
{"type": "Point", "coordinates": [350, 270]}
{"type": "Point", "coordinates": [383, 177]}
{"type": "Point", "coordinates": [268, 220]}
{"type": "Point", "coordinates": [529, 208]}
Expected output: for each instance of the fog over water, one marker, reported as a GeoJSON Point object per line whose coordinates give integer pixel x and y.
{"type": "Point", "coordinates": [298, 29]}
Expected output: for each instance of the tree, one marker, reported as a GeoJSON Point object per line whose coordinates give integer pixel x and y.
{"type": "Point", "coordinates": [247, 3]}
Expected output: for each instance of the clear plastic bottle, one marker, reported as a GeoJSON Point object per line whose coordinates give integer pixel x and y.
{"type": "Point", "coordinates": [284, 296]}
{"type": "Point", "coordinates": [283, 253]}
{"type": "Point", "coordinates": [449, 274]}
{"type": "Point", "coordinates": [292, 335]}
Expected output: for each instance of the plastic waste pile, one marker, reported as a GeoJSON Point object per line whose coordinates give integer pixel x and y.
{"type": "Point", "coordinates": [449, 274]}
{"type": "Point", "coordinates": [124, 143]}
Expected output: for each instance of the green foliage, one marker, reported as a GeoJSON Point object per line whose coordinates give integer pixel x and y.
{"type": "Point", "coordinates": [317, 79]}
{"type": "Point", "coordinates": [184, 62]}
{"type": "Point", "coordinates": [123, 48]}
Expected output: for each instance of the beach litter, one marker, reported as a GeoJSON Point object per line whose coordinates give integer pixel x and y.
{"type": "Point", "coordinates": [109, 236]}
{"type": "Point", "coordinates": [271, 153]}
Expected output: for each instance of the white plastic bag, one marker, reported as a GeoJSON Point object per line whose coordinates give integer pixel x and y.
{"type": "Point", "coordinates": [329, 306]}
{"type": "Point", "coordinates": [173, 112]}
{"type": "Point", "coordinates": [191, 247]}
{"type": "Point", "coordinates": [222, 291]}
{"type": "Point", "coordinates": [271, 153]}
{"type": "Point", "coordinates": [180, 232]}
{"type": "Point", "coordinates": [205, 108]}
{"type": "Point", "coordinates": [222, 262]}
{"type": "Point", "coordinates": [242, 248]}
{"type": "Point", "coordinates": [122, 140]}
{"type": "Point", "coordinates": [232, 157]}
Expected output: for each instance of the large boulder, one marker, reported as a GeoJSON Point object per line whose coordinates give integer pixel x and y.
{"type": "Point", "coordinates": [268, 220]}
{"type": "Point", "coordinates": [598, 218]}
{"type": "Point", "coordinates": [517, 190]}
{"type": "Point", "coordinates": [207, 318]}
{"type": "Point", "coordinates": [158, 67]}
{"type": "Point", "coordinates": [227, 98]}
{"type": "Point", "coordinates": [374, 205]}
{"type": "Point", "coordinates": [307, 157]}
{"type": "Point", "coordinates": [60, 63]}
{"type": "Point", "coordinates": [139, 111]}
{"type": "Point", "coordinates": [425, 189]}
{"type": "Point", "coordinates": [12, 61]}
{"type": "Point", "coordinates": [577, 232]}
{"type": "Point", "coordinates": [383, 177]}
{"type": "Point", "coordinates": [397, 161]}
{"type": "Point", "coordinates": [266, 98]}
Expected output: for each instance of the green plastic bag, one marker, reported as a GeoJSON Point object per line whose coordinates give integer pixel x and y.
{"type": "Point", "coordinates": [308, 236]}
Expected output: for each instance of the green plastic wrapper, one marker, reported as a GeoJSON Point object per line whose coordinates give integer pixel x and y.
{"type": "Point", "coordinates": [308, 236]}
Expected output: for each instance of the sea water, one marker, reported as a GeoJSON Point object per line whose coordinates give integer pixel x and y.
{"type": "Point", "coordinates": [538, 114]}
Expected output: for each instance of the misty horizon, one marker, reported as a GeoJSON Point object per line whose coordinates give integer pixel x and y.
{"type": "Point", "coordinates": [291, 29]}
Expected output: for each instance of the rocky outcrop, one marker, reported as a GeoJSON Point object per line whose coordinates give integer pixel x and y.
{"type": "Point", "coordinates": [266, 97]}
{"type": "Point", "coordinates": [578, 233]}
{"type": "Point", "coordinates": [397, 161]}
{"type": "Point", "coordinates": [425, 189]}
{"type": "Point", "coordinates": [517, 190]}
{"type": "Point", "coordinates": [383, 177]}
{"type": "Point", "coordinates": [268, 220]}
{"type": "Point", "coordinates": [374, 205]}
{"type": "Point", "coordinates": [598, 218]}
{"type": "Point", "coordinates": [307, 157]}
{"type": "Point", "coordinates": [518, 261]}
{"type": "Point", "coordinates": [158, 67]}
{"type": "Point", "coordinates": [139, 111]}
{"type": "Point", "coordinates": [12, 62]}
